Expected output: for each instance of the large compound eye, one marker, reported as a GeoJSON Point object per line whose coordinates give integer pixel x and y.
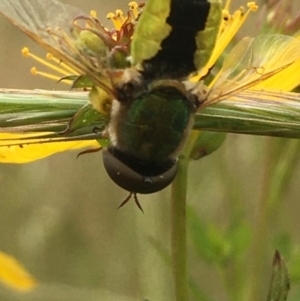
{"type": "Point", "coordinates": [135, 177]}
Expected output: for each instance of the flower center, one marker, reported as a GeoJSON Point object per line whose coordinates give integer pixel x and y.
{"type": "Point", "coordinates": [89, 39]}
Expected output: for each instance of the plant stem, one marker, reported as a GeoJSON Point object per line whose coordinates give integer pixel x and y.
{"type": "Point", "coordinates": [260, 232]}
{"type": "Point", "coordinates": [178, 223]}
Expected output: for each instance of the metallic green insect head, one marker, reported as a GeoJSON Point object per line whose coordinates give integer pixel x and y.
{"type": "Point", "coordinates": [153, 112]}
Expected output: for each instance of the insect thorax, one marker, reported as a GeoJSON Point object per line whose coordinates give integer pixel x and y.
{"type": "Point", "coordinates": [152, 124]}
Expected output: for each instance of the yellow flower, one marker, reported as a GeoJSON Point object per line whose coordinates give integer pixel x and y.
{"type": "Point", "coordinates": [93, 57]}
{"type": "Point", "coordinates": [230, 25]}
{"type": "Point", "coordinates": [82, 53]}
{"type": "Point", "coordinates": [14, 275]}
{"type": "Point", "coordinates": [274, 64]}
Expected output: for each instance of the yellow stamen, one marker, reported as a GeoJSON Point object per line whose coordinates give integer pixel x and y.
{"type": "Point", "coordinates": [34, 71]}
{"type": "Point", "coordinates": [26, 53]}
{"type": "Point", "coordinates": [62, 64]}
{"type": "Point", "coordinates": [133, 6]}
{"type": "Point", "coordinates": [116, 22]}
{"type": "Point", "coordinates": [227, 5]}
{"type": "Point", "coordinates": [63, 69]}
{"type": "Point", "coordinates": [252, 6]}
{"type": "Point", "coordinates": [93, 14]}
{"type": "Point", "coordinates": [120, 16]}
{"type": "Point", "coordinates": [226, 18]}
{"type": "Point", "coordinates": [229, 27]}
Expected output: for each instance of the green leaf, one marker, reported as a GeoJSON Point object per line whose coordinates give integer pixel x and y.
{"type": "Point", "coordinates": [209, 242]}
{"type": "Point", "coordinates": [79, 81]}
{"type": "Point", "coordinates": [239, 237]}
{"type": "Point", "coordinates": [86, 115]}
{"type": "Point", "coordinates": [207, 143]}
{"type": "Point", "coordinates": [280, 282]}
{"type": "Point", "coordinates": [295, 265]}
{"type": "Point", "coordinates": [254, 112]}
{"type": "Point", "coordinates": [48, 111]}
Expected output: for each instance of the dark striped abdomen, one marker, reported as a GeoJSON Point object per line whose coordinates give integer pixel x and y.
{"type": "Point", "coordinates": [175, 59]}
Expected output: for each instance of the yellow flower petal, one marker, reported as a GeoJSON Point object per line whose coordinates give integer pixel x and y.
{"type": "Point", "coordinates": [289, 78]}
{"type": "Point", "coordinates": [286, 80]}
{"type": "Point", "coordinates": [23, 153]}
{"type": "Point", "coordinates": [14, 275]}
{"type": "Point", "coordinates": [254, 63]}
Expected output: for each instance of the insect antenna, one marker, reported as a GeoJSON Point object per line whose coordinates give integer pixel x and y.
{"type": "Point", "coordinates": [135, 199]}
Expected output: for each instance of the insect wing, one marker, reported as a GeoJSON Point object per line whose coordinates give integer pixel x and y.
{"type": "Point", "coordinates": [290, 73]}
{"type": "Point", "coordinates": [253, 61]}
{"type": "Point", "coordinates": [51, 24]}
{"type": "Point", "coordinates": [35, 18]}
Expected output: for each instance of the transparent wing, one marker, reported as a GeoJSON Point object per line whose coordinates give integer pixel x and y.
{"type": "Point", "coordinates": [252, 62]}
{"type": "Point", "coordinates": [55, 27]}
{"type": "Point", "coordinates": [32, 130]}
{"type": "Point", "coordinates": [36, 18]}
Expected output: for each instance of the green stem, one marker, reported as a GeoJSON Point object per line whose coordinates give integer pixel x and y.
{"type": "Point", "coordinates": [178, 223]}
{"type": "Point", "coordinates": [260, 232]}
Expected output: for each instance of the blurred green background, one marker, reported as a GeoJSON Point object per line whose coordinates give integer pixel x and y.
{"type": "Point", "coordinates": [59, 216]}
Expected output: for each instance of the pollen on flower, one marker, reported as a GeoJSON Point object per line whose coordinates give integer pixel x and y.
{"type": "Point", "coordinates": [252, 6]}
{"type": "Point", "coordinates": [115, 20]}
{"type": "Point", "coordinates": [25, 52]}
{"type": "Point", "coordinates": [133, 6]}
{"type": "Point", "coordinates": [33, 71]}
{"type": "Point", "coordinates": [93, 14]}
{"type": "Point", "coordinates": [120, 16]}
{"type": "Point", "coordinates": [226, 17]}
{"type": "Point", "coordinates": [230, 25]}
{"type": "Point", "coordinates": [119, 20]}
